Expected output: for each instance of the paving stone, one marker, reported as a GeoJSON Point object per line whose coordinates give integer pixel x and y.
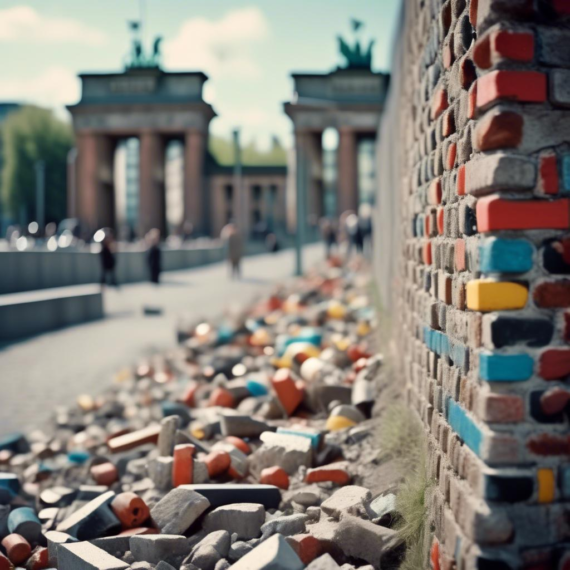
{"type": "Point", "coordinates": [85, 556]}
{"type": "Point", "coordinates": [178, 510]}
{"type": "Point", "coordinates": [272, 554]}
{"type": "Point", "coordinates": [243, 519]}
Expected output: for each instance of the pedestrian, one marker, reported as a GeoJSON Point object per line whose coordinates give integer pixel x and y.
{"type": "Point", "coordinates": [355, 241]}
{"type": "Point", "coordinates": [365, 223]}
{"type": "Point", "coordinates": [233, 244]}
{"type": "Point", "coordinates": [154, 255]}
{"type": "Point", "coordinates": [108, 261]}
{"type": "Point", "coordinates": [329, 236]}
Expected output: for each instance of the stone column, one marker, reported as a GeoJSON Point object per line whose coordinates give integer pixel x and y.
{"type": "Point", "coordinates": [86, 205]}
{"type": "Point", "coordinates": [194, 202]}
{"type": "Point", "coordinates": [106, 186]}
{"type": "Point", "coordinates": [302, 170]}
{"type": "Point", "coordinates": [315, 174]}
{"type": "Point", "coordinates": [151, 184]}
{"type": "Point", "coordinates": [347, 168]}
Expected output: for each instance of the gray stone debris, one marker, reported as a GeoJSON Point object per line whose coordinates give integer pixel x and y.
{"type": "Point", "coordinates": [156, 547]}
{"type": "Point", "coordinates": [54, 539]}
{"type": "Point", "coordinates": [160, 471]}
{"type": "Point", "coordinates": [166, 438]}
{"type": "Point", "coordinates": [210, 550]}
{"type": "Point", "coordinates": [238, 550]}
{"type": "Point", "coordinates": [324, 562]}
{"type": "Point", "coordinates": [383, 505]}
{"type": "Point", "coordinates": [362, 539]}
{"type": "Point", "coordinates": [85, 556]}
{"type": "Point", "coordinates": [222, 565]}
{"type": "Point", "coordinates": [178, 510]}
{"type": "Point", "coordinates": [272, 554]}
{"type": "Point", "coordinates": [163, 565]}
{"type": "Point", "coordinates": [242, 426]}
{"type": "Point", "coordinates": [287, 526]}
{"type": "Point", "coordinates": [351, 499]}
{"type": "Point", "coordinates": [243, 519]}
{"type": "Point", "coordinates": [288, 451]}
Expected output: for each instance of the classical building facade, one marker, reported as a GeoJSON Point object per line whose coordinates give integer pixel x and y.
{"type": "Point", "coordinates": [350, 100]}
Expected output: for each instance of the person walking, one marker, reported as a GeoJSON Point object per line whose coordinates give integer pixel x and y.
{"type": "Point", "coordinates": [154, 255]}
{"type": "Point", "coordinates": [108, 261]}
{"type": "Point", "coordinates": [329, 236]}
{"type": "Point", "coordinates": [234, 248]}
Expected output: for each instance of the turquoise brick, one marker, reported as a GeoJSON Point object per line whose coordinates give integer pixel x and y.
{"type": "Point", "coordinates": [256, 388]}
{"type": "Point", "coordinates": [313, 436]}
{"type": "Point", "coordinates": [505, 256]}
{"type": "Point", "coordinates": [464, 426]}
{"type": "Point", "coordinates": [566, 172]}
{"type": "Point", "coordinates": [9, 487]}
{"type": "Point", "coordinates": [78, 456]}
{"type": "Point", "coordinates": [505, 367]}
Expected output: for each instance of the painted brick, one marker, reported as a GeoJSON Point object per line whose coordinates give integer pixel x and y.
{"type": "Point", "coordinates": [498, 255]}
{"type": "Point", "coordinates": [548, 174]}
{"type": "Point", "coordinates": [560, 87]}
{"type": "Point", "coordinates": [505, 367]}
{"type": "Point", "coordinates": [546, 444]}
{"type": "Point", "coordinates": [554, 364]}
{"type": "Point", "coordinates": [556, 256]}
{"type": "Point", "coordinates": [546, 485]}
{"type": "Point", "coordinates": [495, 213]}
{"type": "Point", "coordinates": [499, 129]}
{"type": "Point", "coordinates": [464, 426]}
{"type": "Point", "coordinates": [553, 294]}
{"type": "Point", "coordinates": [554, 401]}
{"type": "Point", "coordinates": [566, 172]}
{"type": "Point", "coordinates": [522, 86]}
{"type": "Point", "coordinates": [489, 295]}
{"type": "Point", "coordinates": [508, 486]}
{"type": "Point", "coordinates": [500, 331]}
{"type": "Point", "coordinates": [541, 410]}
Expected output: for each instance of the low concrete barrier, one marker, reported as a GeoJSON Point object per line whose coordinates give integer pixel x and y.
{"type": "Point", "coordinates": [35, 312]}
{"type": "Point", "coordinates": [35, 270]}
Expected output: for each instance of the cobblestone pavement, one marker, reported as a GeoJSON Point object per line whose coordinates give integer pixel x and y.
{"type": "Point", "coordinates": [45, 371]}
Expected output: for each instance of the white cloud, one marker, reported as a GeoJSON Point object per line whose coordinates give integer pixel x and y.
{"type": "Point", "coordinates": [55, 87]}
{"type": "Point", "coordinates": [24, 24]}
{"type": "Point", "coordinates": [223, 47]}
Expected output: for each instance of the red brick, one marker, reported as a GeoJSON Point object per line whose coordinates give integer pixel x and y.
{"type": "Point", "coordinates": [426, 253]}
{"type": "Point", "coordinates": [548, 174]}
{"type": "Point", "coordinates": [501, 408]}
{"type": "Point", "coordinates": [17, 548]}
{"type": "Point", "coordinates": [549, 444]}
{"type": "Point", "coordinates": [287, 391]}
{"type": "Point", "coordinates": [327, 473]}
{"type": "Point", "coordinates": [448, 126]}
{"type": "Point", "coordinates": [183, 466]}
{"type": "Point", "coordinates": [39, 560]}
{"type": "Point", "coordinates": [130, 509]}
{"type": "Point", "coordinates": [461, 181]}
{"type": "Point", "coordinates": [554, 363]}
{"type": "Point", "coordinates": [434, 192]}
{"type": "Point", "coordinates": [495, 213]}
{"type": "Point", "coordinates": [221, 397]}
{"type": "Point", "coordinates": [518, 46]}
{"type": "Point", "coordinates": [189, 396]}
{"type": "Point", "coordinates": [451, 155]}
{"type": "Point", "coordinates": [275, 476]}
{"type": "Point", "coordinates": [554, 401]}
{"type": "Point", "coordinates": [460, 255]}
{"type": "Point", "coordinates": [439, 103]}
{"type": "Point", "coordinates": [440, 224]}
{"type": "Point", "coordinates": [473, 12]}
{"type": "Point", "coordinates": [472, 101]}
{"type": "Point", "coordinates": [467, 73]}
{"type": "Point", "coordinates": [561, 6]}
{"type": "Point", "coordinates": [448, 55]}
{"type": "Point", "coordinates": [104, 473]}
{"type": "Point", "coordinates": [306, 546]}
{"type": "Point", "coordinates": [482, 52]}
{"type": "Point", "coordinates": [238, 443]}
{"type": "Point", "coordinates": [434, 555]}
{"type": "Point", "coordinates": [217, 462]}
{"type": "Point", "coordinates": [523, 86]}
{"type": "Point", "coordinates": [553, 294]}
{"type": "Point", "coordinates": [134, 439]}
{"type": "Point", "coordinates": [566, 331]}
{"type": "Point", "coordinates": [499, 130]}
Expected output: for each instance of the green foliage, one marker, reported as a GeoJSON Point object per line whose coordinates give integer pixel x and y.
{"type": "Point", "coordinates": [403, 438]}
{"type": "Point", "coordinates": [29, 135]}
{"type": "Point", "coordinates": [223, 151]}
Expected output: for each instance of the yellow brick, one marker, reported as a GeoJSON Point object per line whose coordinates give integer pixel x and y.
{"type": "Point", "coordinates": [546, 485]}
{"type": "Point", "coordinates": [336, 423]}
{"type": "Point", "coordinates": [488, 295]}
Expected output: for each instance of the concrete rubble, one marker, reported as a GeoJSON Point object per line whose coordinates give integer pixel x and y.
{"type": "Point", "coordinates": [246, 447]}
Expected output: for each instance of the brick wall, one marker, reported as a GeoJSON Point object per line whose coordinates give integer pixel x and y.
{"type": "Point", "coordinates": [474, 170]}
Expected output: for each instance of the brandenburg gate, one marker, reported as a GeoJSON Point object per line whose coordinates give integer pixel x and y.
{"type": "Point", "coordinates": [156, 107]}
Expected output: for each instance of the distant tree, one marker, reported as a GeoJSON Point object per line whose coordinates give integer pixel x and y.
{"type": "Point", "coordinates": [29, 135]}
{"type": "Point", "coordinates": [223, 151]}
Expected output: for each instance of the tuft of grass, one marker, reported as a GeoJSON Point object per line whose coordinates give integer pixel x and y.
{"type": "Point", "coordinates": [403, 439]}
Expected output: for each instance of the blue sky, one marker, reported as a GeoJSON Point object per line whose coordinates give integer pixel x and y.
{"type": "Point", "coordinates": [247, 48]}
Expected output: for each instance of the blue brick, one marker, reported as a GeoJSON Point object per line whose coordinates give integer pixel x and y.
{"type": "Point", "coordinates": [256, 388]}
{"type": "Point", "coordinates": [78, 456]}
{"type": "Point", "coordinates": [9, 487]}
{"type": "Point", "coordinates": [464, 426]}
{"type": "Point", "coordinates": [505, 367]}
{"type": "Point", "coordinates": [505, 256]}
{"type": "Point", "coordinates": [566, 172]}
